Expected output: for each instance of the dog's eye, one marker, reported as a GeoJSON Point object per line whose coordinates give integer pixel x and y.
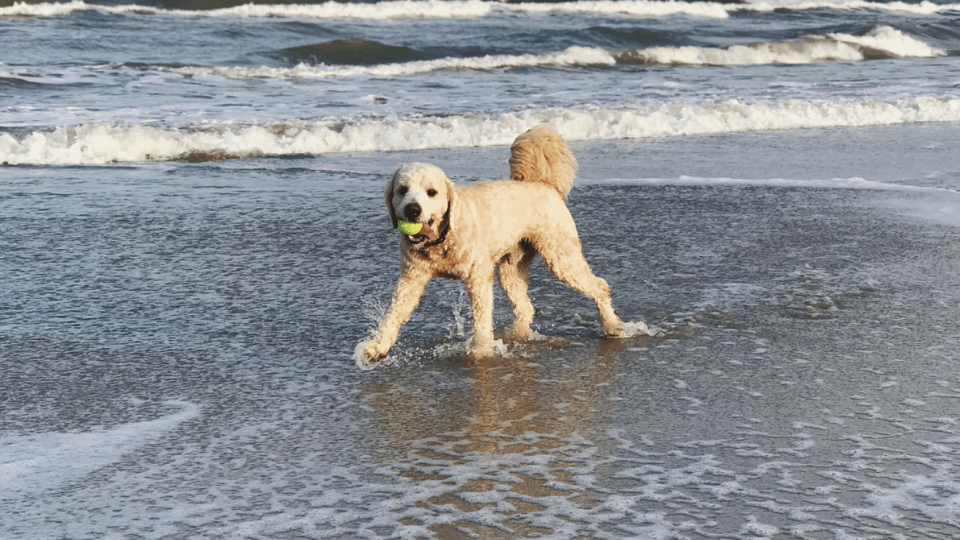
{"type": "Point", "coordinates": [402, 190]}
{"type": "Point", "coordinates": [431, 192]}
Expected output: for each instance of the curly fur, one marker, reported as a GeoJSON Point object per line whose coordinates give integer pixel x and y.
{"type": "Point", "coordinates": [540, 155]}
{"type": "Point", "coordinates": [502, 223]}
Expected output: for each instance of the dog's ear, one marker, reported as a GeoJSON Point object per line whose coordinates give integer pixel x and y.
{"type": "Point", "coordinates": [388, 196]}
{"type": "Point", "coordinates": [451, 201]}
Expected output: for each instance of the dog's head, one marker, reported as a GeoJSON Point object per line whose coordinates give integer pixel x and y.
{"type": "Point", "coordinates": [421, 193]}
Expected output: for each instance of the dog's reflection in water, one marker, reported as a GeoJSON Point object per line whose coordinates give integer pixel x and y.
{"type": "Point", "coordinates": [506, 443]}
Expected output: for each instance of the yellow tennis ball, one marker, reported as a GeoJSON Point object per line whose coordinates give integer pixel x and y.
{"type": "Point", "coordinates": [409, 228]}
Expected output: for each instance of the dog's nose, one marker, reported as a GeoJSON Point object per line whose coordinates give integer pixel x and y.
{"type": "Point", "coordinates": [412, 211]}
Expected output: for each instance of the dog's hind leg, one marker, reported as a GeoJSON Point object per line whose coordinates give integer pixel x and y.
{"type": "Point", "coordinates": [564, 257]}
{"type": "Point", "coordinates": [514, 275]}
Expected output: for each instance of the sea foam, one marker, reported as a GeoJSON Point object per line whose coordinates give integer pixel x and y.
{"type": "Point", "coordinates": [920, 8]}
{"type": "Point", "coordinates": [99, 144]}
{"type": "Point", "coordinates": [880, 42]}
{"type": "Point", "coordinates": [30, 464]}
{"type": "Point", "coordinates": [854, 183]}
{"type": "Point", "coordinates": [329, 10]}
{"type": "Point", "coordinates": [572, 56]}
{"type": "Point", "coordinates": [411, 9]}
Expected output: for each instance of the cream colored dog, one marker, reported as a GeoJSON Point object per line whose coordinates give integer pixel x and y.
{"type": "Point", "coordinates": [469, 229]}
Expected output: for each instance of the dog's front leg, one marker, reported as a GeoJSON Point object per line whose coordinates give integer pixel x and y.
{"type": "Point", "coordinates": [480, 289]}
{"type": "Point", "coordinates": [410, 288]}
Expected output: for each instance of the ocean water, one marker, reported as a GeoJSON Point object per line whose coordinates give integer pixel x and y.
{"type": "Point", "coordinates": [193, 241]}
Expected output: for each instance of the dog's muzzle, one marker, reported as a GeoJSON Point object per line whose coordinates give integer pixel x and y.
{"type": "Point", "coordinates": [417, 239]}
{"type": "Point", "coordinates": [426, 233]}
{"type": "Point", "coordinates": [412, 212]}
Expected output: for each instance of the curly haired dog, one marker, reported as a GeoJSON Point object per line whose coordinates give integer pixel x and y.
{"type": "Point", "coordinates": [467, 230]}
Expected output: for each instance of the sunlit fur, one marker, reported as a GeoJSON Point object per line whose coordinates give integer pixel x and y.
{"type": "Point", "coordinates": [502, 223]}
{"type": "Point", "coordinates": [540, 155]}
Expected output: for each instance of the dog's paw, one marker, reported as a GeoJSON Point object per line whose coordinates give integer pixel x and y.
{"type": "Point", "coordinates": [516, 333]}
{"type": "Point", "coordinates": [483, 349]}
{"type": "Point", "coordinates": [478, 353]}
{"type": "Point", "coordinates": [613, 329]}
{"type": "Point", "coordinates": [367, 355]}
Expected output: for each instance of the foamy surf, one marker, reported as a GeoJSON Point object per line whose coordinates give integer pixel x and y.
{"type": "Point", "coordinates": [31, 464]}
{"type": "Point", "coordinates": [100, 144]}
{"type": "Point", "coordinates": [638, 8]}
{"type": "Point", "coordinates": [919, 8]}
{"type": "Point", "coordinates": [720, 10]}
{"type": "Point", "coordinates": [428, 9]}
{"type": "Point", "coordinates": [854, 183]}
{"type": "Point", "coordinates": [880, 42]}
{"type": "Point", "coordinates": [572, 56]}
{"type": "Point", "coordinates": [435, 9]}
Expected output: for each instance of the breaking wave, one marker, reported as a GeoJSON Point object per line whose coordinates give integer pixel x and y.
{"type": "Point", "coordinates": [880, 42]}
{"type": "Point", "coordinates": [98, 144]}
{"type": "Point", "coordinates": [409, 9]}
{"type": "Point", "coordinates": [573, 56]}
{"type": "Point", "coordinates": [329, 10]}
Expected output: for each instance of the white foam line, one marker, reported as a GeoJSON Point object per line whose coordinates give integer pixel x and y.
{"type": "Point", "coordinates": [30, 464]}
{"type": "Point", "coordinates": [98, 144]}
{"type": "Point", "coordinates": [833, 183]}
{"type": "Point", "coordinates": [806, 50]}
{"type": "Point", "coordinates": [811, 49]}
{"type": "Point", "coordinates": [411, 9]}
{"type": "Point", "coordinates": [567, 57]}
{"type": "Point", "coordinates": [718, 10]}
{"type": "Point", "coordinates": [921, 8]}
{"type": "Point", "coordinates": [328, 10]}
{"type": "Point", "coordinates": [642, 8]}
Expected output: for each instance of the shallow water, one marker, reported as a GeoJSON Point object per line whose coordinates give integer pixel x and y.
{"type": "Point", "coordinates": [193, 241]}
{"type": "Point", "coordinates": [176, 346]}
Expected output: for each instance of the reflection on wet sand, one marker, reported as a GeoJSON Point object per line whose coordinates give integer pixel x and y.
{"type": "Point", "coordinates": [522, 438]}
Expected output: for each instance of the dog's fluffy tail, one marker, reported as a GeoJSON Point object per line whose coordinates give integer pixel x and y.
{"type": "Point", "coordinates": [541, 155]}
